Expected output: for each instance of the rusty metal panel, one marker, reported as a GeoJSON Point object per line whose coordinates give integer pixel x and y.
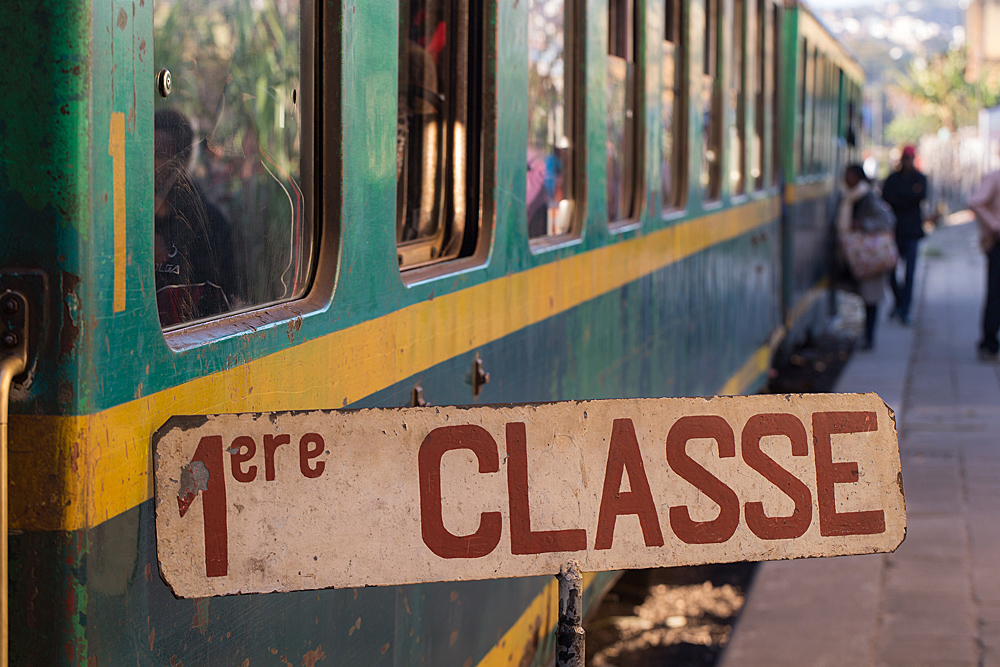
{"type": "Point", "coordinates": [294, 501]}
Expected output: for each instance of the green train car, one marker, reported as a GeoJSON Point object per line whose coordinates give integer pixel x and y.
{"type": "Point", "coordinates": [218, 206]}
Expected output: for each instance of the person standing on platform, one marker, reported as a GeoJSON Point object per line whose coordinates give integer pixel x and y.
{"type": "Point", "coordinates": [904, 190]}
{"type": "Point", "coordinates": [985, 203]}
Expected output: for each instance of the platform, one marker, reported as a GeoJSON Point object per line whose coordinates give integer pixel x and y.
{"type": "Point", "coordinates": [936, 600]}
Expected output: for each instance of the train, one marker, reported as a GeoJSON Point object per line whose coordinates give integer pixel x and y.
{"type": "Point", "coordinates": [220, 206]}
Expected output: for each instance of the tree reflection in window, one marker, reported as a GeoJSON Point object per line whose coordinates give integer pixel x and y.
{"type": "Point", "coordinates": [232, 226]}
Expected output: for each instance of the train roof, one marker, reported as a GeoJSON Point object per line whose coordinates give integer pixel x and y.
{"type": "Point", "coordinates": [813, 29]}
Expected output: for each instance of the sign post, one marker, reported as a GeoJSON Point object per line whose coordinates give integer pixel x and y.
{"type": "Point", "coordinates": [344, 498]}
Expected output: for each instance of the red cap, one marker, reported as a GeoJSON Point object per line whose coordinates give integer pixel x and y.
{"type": "Point", "coordinates": [910, 152]}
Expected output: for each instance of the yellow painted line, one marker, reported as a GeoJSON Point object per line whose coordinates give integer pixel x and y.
{"type": "Point", "coordinates": [758, 363]}
{"type": "Point", "coordinates": [804, 192]}
{"type": "Point", "coordinates": [538, 620]}
{"type": "Point", "coordinates": [98, 466]}
{"type": "Point", "coordinates": [116, 149]}
{"type": "Point", "coordinates": [806, 302]}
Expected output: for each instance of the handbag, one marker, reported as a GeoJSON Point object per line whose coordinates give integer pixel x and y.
{"type": "Point", "coordinates": [870, 254]}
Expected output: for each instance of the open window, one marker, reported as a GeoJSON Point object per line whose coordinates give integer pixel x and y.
{"type": "Point", "coordinates": [551, 159]}
{"type": "Point", "coordinates": [233, 156]}
{"type": "Point", "coordinates": [438, 131]}
{"type": "Point", "coordinates": [624, 149]}
{"type": "Point", "coordinates": [761, 68]}
{"type": "Point", "coordinates": [673, 108]}
{"type": "Point", "coordinates": [711, 104]}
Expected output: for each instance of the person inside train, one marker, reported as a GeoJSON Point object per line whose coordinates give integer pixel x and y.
{"type": "Point", "coordinates": [192, 242]}
{"type": "Point", "coordinates": [860, 210]}
{"type": "Point", "coordinates": [904, 190]}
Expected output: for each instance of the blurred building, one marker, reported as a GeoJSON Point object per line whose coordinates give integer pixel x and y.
{"type": "Point", "coordinates": [982, 26]}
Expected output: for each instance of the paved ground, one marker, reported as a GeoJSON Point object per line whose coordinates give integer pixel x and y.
{"type": "Point", "coordinates": [936, 601]}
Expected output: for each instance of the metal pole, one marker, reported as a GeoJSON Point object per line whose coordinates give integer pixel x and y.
{"type": "Point", "coordinates": [13, 360]}
{"type": "Point", "coordinates": [569, 633]}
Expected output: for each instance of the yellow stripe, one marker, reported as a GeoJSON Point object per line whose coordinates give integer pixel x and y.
{"type": "Point", "coordinates": [96, 466]}
{"type": "Point", "coordinates": [804, 192]}
{"type": "Point", "coordinates": [116, 149]}
{"type": "Point", "coordinates": [806, 302]}
{"type": "Point", "coordinates": [538, 620]}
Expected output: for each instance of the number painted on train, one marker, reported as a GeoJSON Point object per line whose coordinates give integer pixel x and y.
{"type": "Point", "coordinates": [377, 497]}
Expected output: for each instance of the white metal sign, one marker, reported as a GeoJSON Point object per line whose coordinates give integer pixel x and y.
{"type": "Point", "coordinates": [344, 498]}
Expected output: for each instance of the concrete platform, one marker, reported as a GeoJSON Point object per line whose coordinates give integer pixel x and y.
{"type": "Point", "coordinates": [936, 601]}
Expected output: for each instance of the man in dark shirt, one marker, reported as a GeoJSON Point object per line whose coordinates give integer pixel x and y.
{"type": "Point", "coordinates": [903, 191]}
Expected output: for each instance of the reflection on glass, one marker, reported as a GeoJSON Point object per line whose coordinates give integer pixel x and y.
{"type": "Point", "coordinates": [548, 194]}
{"type": "Point", "coordinates": [711, 106]}
{"type": "Point", "coordinates": [737, 102]}
{"type": "Point", "coordinates": [620, 97]}
{"type": "Point", "coordinates": [431, 137]}
{"type": "Point", "coordinates": [761, 57]}
{"type": "Point", "coordinates": [232, 230]}
{"type": "Point", "coordinates": [671, 109]}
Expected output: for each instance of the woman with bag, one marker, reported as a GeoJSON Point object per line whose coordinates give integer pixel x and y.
{"type": "Point", "coordinates": [864, 229]}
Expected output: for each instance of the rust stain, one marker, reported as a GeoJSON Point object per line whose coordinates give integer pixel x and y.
{"type": "Point", "coordinates": [149, 571]}
{"type": "Point", "coordinates": [385, 648]}
{"type": "Point", "coordinates": [452, 638]}
{"type": "Point", "coordinates": [356, 626]}
{"type": "Point", "coordinates": [152, 636]}
{"type": "Point", "coordinates": [122, 19]}
{"type": "Point", "coordinates": [454, 595]}
{"type": "Point", "coordinates": [246, 663]}
{"type": "Point", "coordinates": [200, 620]}
{"type": "Point", "coordinates": [467, 663]}
{"type": "Point", "coordinates": [312, 657]}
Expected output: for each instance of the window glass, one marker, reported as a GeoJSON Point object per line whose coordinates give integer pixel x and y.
{"type": "Point", "coordinates": [819, 115]}
{"type": "Point", "coordinates": [438, 131]}
{"type": "Point", "coordinates": [621, 93]}
{"type": "Point", "coordinates": [550, 124]}
{"type": "Point", "coordinates": [232, 221]}
{"type": "Point", "coordinates": [808, 63]}
{"type": "Point", "coordinates": [737, 104]}
{"type": "Point", "coordinates": [774, 83]}
{"type": "Point", "coordinates": [759, 67]}
{"type": "Point", "coordinates": [673, 108]}
{"type": "Point", "coordinates": [711, 105]}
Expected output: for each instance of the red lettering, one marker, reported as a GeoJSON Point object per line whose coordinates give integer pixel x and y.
{"type": "Point", "coordinates": [307, 453]}
{"type": "Point", "coordinates": [209, 479]}
{"type": "Point", "coordinates": [437, 538]}
{"type": "Point", "coordinates": [271, 443]}
{"type": "Point", "coordinates": [523, 540]}
{"type": "Point", "coordinates": [624, 454]}
{"type": "Point", "coordinates": [779, 527]}
{"type": "Point", "coordinates": [831, 522]}
{"type": "Point", "coordinates": [244, 448]}
{"type": "Point", "coordinates": [722, 527]}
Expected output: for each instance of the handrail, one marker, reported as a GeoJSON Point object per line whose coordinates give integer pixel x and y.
{"type": "Point", "coordinates": [9, 367]}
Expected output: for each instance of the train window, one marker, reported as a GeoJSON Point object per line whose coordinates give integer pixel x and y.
{"type": "Point", "coordinates": [550, 162]}
{"type": "Point", "coordinates": [808, 87]}
{"type": "Point", "coordinates": [776, 85]}
{"type": "Point", "coordinates": [762, 57]}
{"type": "Point", "coordinates": [232, 155]}
{"type": "Point", "coordinates": [622, 92]}
{"type": "Point", "coordinates": [819, 115]}
{"type": "Point", "coordinates": [737, 103]}
{"type": "Point", "coordinates": [711, 170]}
{"type": "Point", "coordinates": [438, 130]}
{"type": "Point", "coordinates": [673, 108]}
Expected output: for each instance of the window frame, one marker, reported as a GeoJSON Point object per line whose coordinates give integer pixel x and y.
{"type": "Point", "coordinates": [482, 211]}
{"type": "Point", "coordinates": [636, 49]}
{"type": "Point", "coordinates": [680, 160]}
{"type": "Point", "coordinates": [322, 166]}
{"type": "Point", "coordinates": [574, 53]}
{"type": "Point", "coordinates": [714, 130]}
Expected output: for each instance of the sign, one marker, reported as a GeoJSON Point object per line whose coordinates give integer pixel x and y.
{"type": "Point", "coordinates": [254, 503]}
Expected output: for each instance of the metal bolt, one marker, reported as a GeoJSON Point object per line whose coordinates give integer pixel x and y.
{"type": "Point", "coordinates": [163, 82]}
{"type": "Point", "coordinates": [11, 306]}
{"type": "Point", "coordinates": [10, 339]}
